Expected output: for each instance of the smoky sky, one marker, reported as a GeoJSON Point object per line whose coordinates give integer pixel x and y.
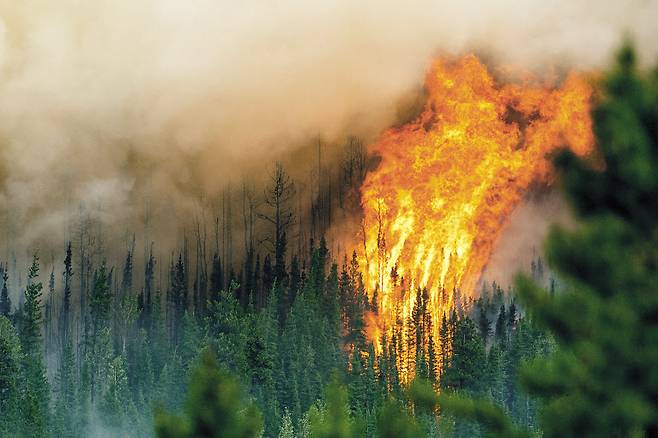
{"type": "Point", "coordinates": [110, 102]}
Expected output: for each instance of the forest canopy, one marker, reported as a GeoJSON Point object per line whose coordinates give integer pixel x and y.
{"type": "Point", "coordinates": [276, 343]}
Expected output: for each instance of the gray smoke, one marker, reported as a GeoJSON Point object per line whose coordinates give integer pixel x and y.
{"type": "Point", "coordinates": [110, 103]}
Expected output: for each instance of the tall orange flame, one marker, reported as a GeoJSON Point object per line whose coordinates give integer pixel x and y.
{"type": "Point", "coordinates": [447, 182]}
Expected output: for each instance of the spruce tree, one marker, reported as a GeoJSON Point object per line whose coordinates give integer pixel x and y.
{"type": "Point", "coordinates": [333, 420]}
{"type": "Point", "coordinates": [36, 396]}
{"type": "Point", "coordinates": [603, 379]}
{"type": "Point", "coordinates": [11, 361]}
{"type": "Point", "coordinates": [484, 324]}
{"type": "Point", "coordinates": [501, 325]}
{"type": "Point", "coordinates": [5, 301]}
{"type": "Point", "coordinates": [216, 278]}
{"type": "Point", "coordinates": [148, 293]}
{"type": "Point", "coordinates": [65, 316]}
{"type": "Point", "coordinates": [215, 407]}
{"type": "Point", "coordinates": [465, 370]}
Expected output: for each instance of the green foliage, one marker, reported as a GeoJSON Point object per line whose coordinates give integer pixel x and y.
{"type": "Point", "coordinates": [287, 429]}
{"type": "Point", "coordinates": [67, 397]}
{"type": "Point", "coordinates": [333, 419]}
{"type": "Point", "coordinates": [484, 412]}
{"type": "Point", "coordinates": [465, 367]}
{"type": "Point", "coordinates": [603, 379]}
{"type": "Point", "coordinates": [32, 316]}
{"type": "Point", "coordinates": [5, 301]}
{"type": "Point", "coordinates": [10, 368]}
{"type": "Point", "coordinates": [395, 422]}
{"type": "Point", "coordinates": [36, 393]}
{"type": "Point", "coordinates": [215, 407]}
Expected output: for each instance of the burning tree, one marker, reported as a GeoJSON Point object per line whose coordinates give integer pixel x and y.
{"type": "Point", "coordinates": [447, 182]}
{"type": "Point", "coordinates": [603, 379]}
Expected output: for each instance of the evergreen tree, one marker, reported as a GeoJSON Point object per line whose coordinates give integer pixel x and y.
{"type": "Point", "coordinates": [287, 429]}
{"type": "Point", "coordinates": [5, 301]}
{"type": "Point", "coordinates": [465, 371]}
{"type": "Point", "coordinates": [268, 281]}
{"type": "Point", "coordinates": [216, 278]}
{"type": "Point", "coordinates": [11, 361]}
{"type": "Point", "coordinates": [65, 316]}
{"type": "Point", "coordinates": [67, 401]}
{"type": "Point", "coordinates": [295, 278]}
{"type": "Point", "coordinates": [148, 294]}
{"type": "Point", "coordinates": [116, 404]}
{"type": "Point", "coordinates": [484, 324]}
{"type": "Point", "coordinates": [215, 407]}
{"type": "Point", "coordinates": [394, 421]}
{"type": "Point", "coordinates": [100, 301]}
{"type": "Point", "coordinates": [249, 285]}
{"type": "Point", "coordinates": [66, 379]}
{"type": "Point", "coordinates": [605, 322]}
{"type": "Point", "coordinates": [177, 298]}
{"type": "Point", "coordinates": [36, 395]}
{"type": "Point", "coordinates": [333, 420]}
{"type": "Point", "coordinates": [512, 317]}
{"type": "Point", "coordinates": [602, 380]}
{"type": "Point", "coordinates": [501, 324]}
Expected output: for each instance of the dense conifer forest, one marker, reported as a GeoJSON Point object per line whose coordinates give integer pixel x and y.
{"type": "Point", "coordinates": [271, 339]}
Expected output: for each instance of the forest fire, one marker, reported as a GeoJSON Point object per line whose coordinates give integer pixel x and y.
{"type": "Point", "coordinates": [448, 180]}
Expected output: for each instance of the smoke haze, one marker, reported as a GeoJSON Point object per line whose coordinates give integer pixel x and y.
{"type": "Point", "coordinates": [108, 103]}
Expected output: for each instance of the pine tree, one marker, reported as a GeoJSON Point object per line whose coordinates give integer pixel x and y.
{"type": "Point", "coordinates": [334, 420]}
{"type": "Point", "coordinates": [11, 361]}
{"type": "Point", "coordinates": [295, 278]}
{"type": "Point", "coordinates": [268, 281]}
{"type": "Point", "coordinates": [67, 401]}
{"type": "Point", "coordinates": [395, 422]}
{"type": "Point", "coordinates": [100, 301]}
{"type": "Point", "coordinates": [484, 324]}
{"type": "Point", "coordinates": [445, 341]}
{"type": "Point", "coordinates": [65, 316]}
{"type": "Point", "coordinates": [605, 321]}
{"type": "Point", "coordinates": [66, 378]}
{"type": "Point", "coordinates": [465, 371]}
{"type": "Point", "coordinates": [36, 396]}
{"type": "Point", "coordinates": [287, 430]}
{"type": "Point", "coordinates": [116, 404]}
{"type": "Point", "coordinates": [147, 307]}
{"type": "Point", "coordinates": [177, 298]}
{"type": "Point", "coordinates": [249, 284]}
{"type": "Point", "coordinates": [216, 278]}
{"type": "Point", "coordinates": [501, 325]}
{"type": "Point", "coordinates": [5, 301]}
{"type": "Point", "coordinates": [512, 317]}
{"type": "Point", "coordinates": [215, 407]}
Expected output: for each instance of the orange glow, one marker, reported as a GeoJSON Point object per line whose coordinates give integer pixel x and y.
{"type": "Point", "coordinates": [447, 182]}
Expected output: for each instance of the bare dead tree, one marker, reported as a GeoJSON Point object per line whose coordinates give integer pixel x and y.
{"type": "Point", "coordinates": [227, 231]}
{"type": "Point", "coordinates": [353, 172]}
{"type": "Point", "coordinates": [249, 206]}
{"type": "Point", "coordinates": [278, 197]}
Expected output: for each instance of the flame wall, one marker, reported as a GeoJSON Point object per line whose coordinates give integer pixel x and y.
{"type": "Point", "coordinates": [448, 181]}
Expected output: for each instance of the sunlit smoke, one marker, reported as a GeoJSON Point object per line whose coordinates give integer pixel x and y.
{"type": "Point", "coordinates": [111, 102]}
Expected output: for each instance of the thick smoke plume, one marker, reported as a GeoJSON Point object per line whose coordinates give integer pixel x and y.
{"type": "Point", "coordinates": [110, 103]}
{"type": "Point", "coordinates": [523, 239]}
